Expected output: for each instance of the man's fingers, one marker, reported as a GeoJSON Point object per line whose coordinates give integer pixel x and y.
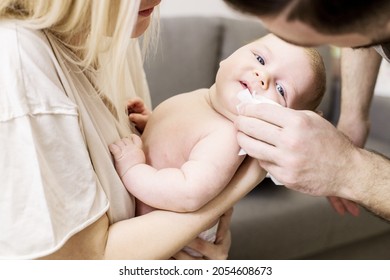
{"type": "Point", "coordinates": [337, 205]}
{"type": "Point", "coordinates": [257, 149]}
{"type": "Point", "coordinates": [352, 207]}
{"type": "Point", "coordinates": [259, 129]}
{"type": "Point", "coordinates": [272, 114]}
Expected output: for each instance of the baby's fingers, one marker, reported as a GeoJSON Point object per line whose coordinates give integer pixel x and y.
{"type": "Point", "coordinates": [134, 139]}
{"type": "Point", "coordinates": [135, 105]}
{"type": "Point", "coordinates": [119, 146]}
{"type": "Point", "coordinates": [115, 150]}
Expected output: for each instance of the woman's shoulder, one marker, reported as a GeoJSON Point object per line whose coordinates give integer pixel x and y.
{"type": "Point", "coordinates": [22, 47]}
{"type": "Point", "coordinates": [29, 82]}
{"type": "Point", "coordinates": [16, 37]}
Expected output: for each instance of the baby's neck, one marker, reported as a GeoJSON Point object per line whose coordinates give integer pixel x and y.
{"type": "Point", "coordinates": [212, 100]}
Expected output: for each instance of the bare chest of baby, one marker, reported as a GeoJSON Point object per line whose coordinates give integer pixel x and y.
{"type": "Point", "coordinates": [177, 125]}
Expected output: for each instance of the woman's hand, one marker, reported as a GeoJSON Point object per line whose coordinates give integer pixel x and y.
{"type": "Point", "coordinates": [218, 250]}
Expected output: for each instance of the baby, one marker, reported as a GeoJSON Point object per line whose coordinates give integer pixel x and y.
{"type": "Point", "coordinates": [188, 150]}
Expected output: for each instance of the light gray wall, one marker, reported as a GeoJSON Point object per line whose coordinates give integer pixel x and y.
{"type": "Point", "coordinates": [169, 8]}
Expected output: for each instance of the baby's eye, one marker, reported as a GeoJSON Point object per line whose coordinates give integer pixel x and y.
{"type": "Point", "coordinates": [260, 59]}
{"type": "Point", "coordinates": [280, 90]}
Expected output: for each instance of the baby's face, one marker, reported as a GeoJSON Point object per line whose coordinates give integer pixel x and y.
{"type": "Point", "coordinates": [268, 67]}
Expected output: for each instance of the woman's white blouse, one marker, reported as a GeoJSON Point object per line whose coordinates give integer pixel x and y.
{"type": "Point", "coordinates": [56, 172]}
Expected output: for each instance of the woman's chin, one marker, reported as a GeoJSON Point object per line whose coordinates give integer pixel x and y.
{"type": "Point", "coordinates": [140, 27]}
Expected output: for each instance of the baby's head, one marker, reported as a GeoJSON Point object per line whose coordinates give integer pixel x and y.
{"type": "Point", "coordinates": [318, 83]}
{"type": "Point", "coordinates": [290, 75]}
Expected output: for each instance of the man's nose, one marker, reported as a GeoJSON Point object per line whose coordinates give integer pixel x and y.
{"type": "Point", "coordinates": [263, 78]}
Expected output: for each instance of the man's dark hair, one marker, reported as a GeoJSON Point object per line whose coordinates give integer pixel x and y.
{"type": "Point", "coordinates": [325, 16]}
{"type": "Point", "coordinates": [259, 8]}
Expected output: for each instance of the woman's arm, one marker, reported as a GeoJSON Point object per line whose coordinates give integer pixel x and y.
{"type": "Point", "coordinates": [159, 234]}
{"type": "Point", "coordinates": [209, 168]}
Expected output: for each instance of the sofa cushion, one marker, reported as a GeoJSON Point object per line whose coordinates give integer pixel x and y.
{"type": "Point", "coordinates": [186, 58]}
{"type": "Point", "coordinates": [273, 222]}
{"type": "Point", "coordinates": [237, 33]}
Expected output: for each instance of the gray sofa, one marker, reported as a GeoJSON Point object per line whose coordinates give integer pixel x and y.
{"type": "Point", "coordinates": [271, 222]}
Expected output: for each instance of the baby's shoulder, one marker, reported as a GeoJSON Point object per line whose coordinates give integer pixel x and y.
{"type": "Point", "coordinates": [186, 97]}
{"type": "Point", "coordinates": [182, 102]}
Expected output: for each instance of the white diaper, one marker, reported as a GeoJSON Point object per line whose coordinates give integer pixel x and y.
{"type": "Point", "coordinates": [245, 96]}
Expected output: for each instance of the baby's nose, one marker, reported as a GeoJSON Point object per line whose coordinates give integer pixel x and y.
{"type": "Point", "coordinates": [263, 78]}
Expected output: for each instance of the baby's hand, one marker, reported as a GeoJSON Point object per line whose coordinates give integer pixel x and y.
{"type": "Point", "coordinates": [127, 153]}
{"type": "Point", "coordinates": [138, 113]}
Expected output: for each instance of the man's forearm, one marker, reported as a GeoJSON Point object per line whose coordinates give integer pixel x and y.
{"type": "Point", "coordinates": [359, 70]}
{"type": "Point", "coordinates": [369, 183]}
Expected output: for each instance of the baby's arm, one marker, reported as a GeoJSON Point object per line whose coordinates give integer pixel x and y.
{"type": "Point", "coordinates": [138, 113]}
{"type": "Point", "coordinates": [211, 165]}
{"type": "Point", "coordinates": [127, 153]}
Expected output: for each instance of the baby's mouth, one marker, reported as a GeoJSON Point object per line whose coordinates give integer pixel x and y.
{"type": "Point", "coordinates": [245, 86]}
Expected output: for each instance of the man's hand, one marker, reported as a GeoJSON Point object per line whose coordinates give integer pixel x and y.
{"type": "Point", "coordinates": [299, 148]}
{"type": "Point", "coordinates": [342, 206]}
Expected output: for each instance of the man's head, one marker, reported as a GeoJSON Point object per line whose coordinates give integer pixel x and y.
{"type": "Point", "coordinates": [351, 23]}
{"type": "Point", "coordinates": [269, 67]}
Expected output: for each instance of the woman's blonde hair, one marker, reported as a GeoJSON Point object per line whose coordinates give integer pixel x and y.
{"type": "Point", "coordinates": [83, 26]}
